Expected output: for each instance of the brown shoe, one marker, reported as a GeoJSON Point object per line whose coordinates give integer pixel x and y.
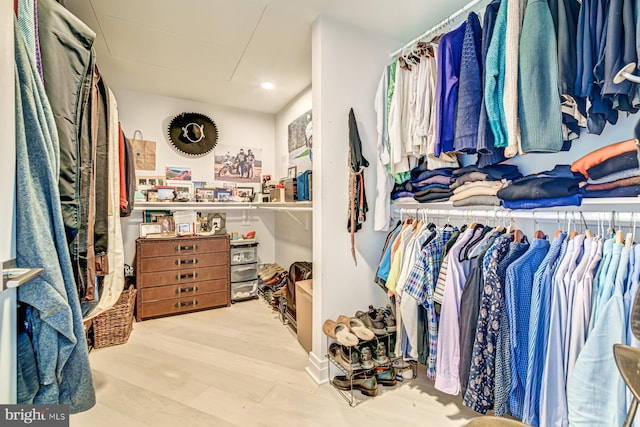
{"type": "Point", "coordinates": [357, 327]}
{"type": "Point", "coordinates": [367, 385]}
{"type": "Point", "coordinates": [340, 332]}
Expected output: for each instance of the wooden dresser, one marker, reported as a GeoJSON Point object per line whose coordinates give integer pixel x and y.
{"type": "Point", "coordinates": [181, 274]}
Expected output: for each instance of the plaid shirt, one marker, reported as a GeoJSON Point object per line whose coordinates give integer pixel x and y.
{"type": "Point", "coordinates": [421, 285]}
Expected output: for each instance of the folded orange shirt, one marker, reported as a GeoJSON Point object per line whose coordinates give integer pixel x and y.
{"type": "Point", "coordinates": [598, 156]}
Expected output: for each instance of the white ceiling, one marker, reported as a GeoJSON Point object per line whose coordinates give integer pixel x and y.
{"type": "Point", "coordinates": [218, 51]}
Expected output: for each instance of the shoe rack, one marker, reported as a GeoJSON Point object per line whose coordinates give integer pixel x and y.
{"type": "Point", "coordinates": [394, 362]}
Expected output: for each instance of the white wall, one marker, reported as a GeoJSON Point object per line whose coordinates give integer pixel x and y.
{"type": "Point", "coordinates": [294, 240]}
{"type": "Point", "coordinates": [151, 115]}
{"type": "Point", "coordinates": [346, 67]}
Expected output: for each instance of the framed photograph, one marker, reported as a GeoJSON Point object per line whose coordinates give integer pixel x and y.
{"type": "Point", "coordinates": [166, 194]}
{"type": "Point", "coordinates": [178, 173]}
{"type": "Point", "coordinates": [223, 195]}
{"type": "Point", "coordinates": [266, 181]}
{"type": "Point", "coordinates": [149, 181]}
{"type": "Point", "coordinates": [184, 229]}
{"type": "Point", "coordinates": [292, 172]}
{"type": "Point", "coordinates": [166, 224]}
{"type": "Point", "coordinates": [152, 195]}
{"type": "Point", "coordinates": [153, 215]}
{"type": "Point", "coordinates": [205, 195]}
{"type": "Point", "coordinates": [147, 228]}
{"type": "Point", "coordinates": [246, 193]}
{"type": "Point", "coordinates": [217, 223]}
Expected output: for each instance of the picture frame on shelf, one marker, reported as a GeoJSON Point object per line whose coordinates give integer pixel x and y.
{"type": "Point", "coordinates": [184, 229]}
{"type": "Point", "coordinates": [217, 223]}
{"type": "Point", "coordinates": [149, 181]}
{"type": "Point", "coordinates": [292, 172]}
{"type": "Point", "coordinates": [205, 195]}
{"type": "Point", "coordinates": [148, 228]}
{"type": "Point", "coordinates": [152, 195]}
{"type": "Point", "coordinates": [166, 194]}
{"type": "Point", "coordinates": [246, 193]}
{"type": "Point", "coordinates": [166, 224]}
{"type": "Point", "coordinates": [153, 215]}
{"type": "Point", "coordinates": [222, 195]}
{"type": "Point", "coordinates": [184, 190]}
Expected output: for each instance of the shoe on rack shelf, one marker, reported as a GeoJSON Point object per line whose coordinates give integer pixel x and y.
{"type": "Point", "coordinates": [348, 360]}
{"type": "Point", "coordinates": [388, 318]}
{"type": "Point", "coordinates": [386, 376]}
{"type": "Point", "coordinates": [366, 357]}
{"type": "Point", "coordinates": [357, 327]}
{"type": "Point", "coordinates": [377, 327]}
{"type": "Point", "coordinates": [367, 385]}
{"type": "Point", "coordinates": [380, 357]}
{"type": "Point", "coordinates": [340, 332]}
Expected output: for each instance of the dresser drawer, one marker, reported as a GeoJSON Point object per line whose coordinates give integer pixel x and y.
{"type": "Point", "coordinates": [183, 304]}
{"type": "Point", "coordinates": [183, 290]}
{"type": "Point", "coordinates": [176, 262]}
{"type": "Point", "coordinates": [182, 276]}
{"type": "Point", "coordinates": [182, 247]}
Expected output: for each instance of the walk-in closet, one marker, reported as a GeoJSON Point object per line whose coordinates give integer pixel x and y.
{"type": "Point", "coordinates": [301, 213]}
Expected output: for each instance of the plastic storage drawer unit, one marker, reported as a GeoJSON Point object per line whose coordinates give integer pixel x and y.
{"type": "Point", "coordinates": [244, 290]}
{"type": "Point", "coordinates": [243, 273]}
{"type": "Point", "coordinates": [244, 254]}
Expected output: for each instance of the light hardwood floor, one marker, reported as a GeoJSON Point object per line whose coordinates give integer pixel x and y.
{"type": "Point", "coordinates": [239, 366]}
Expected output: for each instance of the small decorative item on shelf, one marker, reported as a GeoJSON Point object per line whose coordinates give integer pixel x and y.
{"type": "Point", "coordinates": [152, 195]}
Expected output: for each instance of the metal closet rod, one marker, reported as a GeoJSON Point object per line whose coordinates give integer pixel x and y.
{"type": "Point", "coordinates": [439, 25]}
{"type": "Point", "coordinates": [524, 214]}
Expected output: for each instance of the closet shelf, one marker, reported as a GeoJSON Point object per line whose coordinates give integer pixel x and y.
{"type": "Point", "coordinates": [591, 209]}
{"type": "Point", "coordinates": [226, 206]}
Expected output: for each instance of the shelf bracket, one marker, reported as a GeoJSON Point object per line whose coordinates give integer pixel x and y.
{"type": "Point", "coordinates": [306, 226]}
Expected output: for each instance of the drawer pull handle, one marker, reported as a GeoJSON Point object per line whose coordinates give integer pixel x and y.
{"type": "Point", "coordinates": [186, 276]}
{"type": "Point", "coordinates": [187, 248]}
{"type": "Point", "coordinates": [187, 304]}
{"type": "Point", "coordinates": [186, 261]}
{"type": "Point", "coordinates": [193, 289]}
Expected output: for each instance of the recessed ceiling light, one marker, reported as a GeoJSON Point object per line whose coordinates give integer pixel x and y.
{"type": "Point", "coordinates": [267, 85]}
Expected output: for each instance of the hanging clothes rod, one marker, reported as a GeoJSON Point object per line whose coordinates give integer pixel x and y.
{"type": "Point", "coordinates": [439, 25]}
{"type": "Point", "coordinates": [524, 214]}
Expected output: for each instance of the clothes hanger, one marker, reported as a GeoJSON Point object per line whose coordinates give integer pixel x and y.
{"type": "Point", "coordinates": [538, 234]}
{"type": "Point", "coordinates": [628, 241]}
{"type": "Point", "coordinates": [558, 230]}
{"type": "Point", "coordinates": [587, 232]}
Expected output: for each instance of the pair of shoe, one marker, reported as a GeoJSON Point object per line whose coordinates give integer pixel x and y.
{"type": "Point", "coordinates": [347, 331]}
{"type": "Point", "coordinates": [385, 376]}
{"type": "Point", "coordinates": [276, 279]}
{"type": "Point", "coordinates": [268, 271]}
{"type": "Point", "coordinates": [368, 385]}
{"type": "Point", "coordinates": [364, 357]}
{"type": "Point", "coordinates": [381, 321]}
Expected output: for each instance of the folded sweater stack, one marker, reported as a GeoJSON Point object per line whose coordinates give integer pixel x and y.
{"type": "Point", "coordinates": [557, 187]}
{"type": "Point", "coordinates": [612, 171]}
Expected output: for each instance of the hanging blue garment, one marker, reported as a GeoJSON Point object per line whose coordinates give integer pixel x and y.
{"type": "Point", "coordinates": [58, 332]}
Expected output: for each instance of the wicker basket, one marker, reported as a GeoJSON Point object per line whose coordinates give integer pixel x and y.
{"type": "Point", "coordinates": [114, 326]}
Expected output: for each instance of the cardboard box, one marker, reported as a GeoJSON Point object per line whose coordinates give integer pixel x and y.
{"type": "Point", "coordinates": [304, 312]}
{"type": "Point", "coordinates": [276, 195]}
